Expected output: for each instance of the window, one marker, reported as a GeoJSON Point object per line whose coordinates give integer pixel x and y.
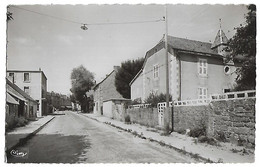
{"type": "Point", "coordinates": [202, 93]}
{"type": "Point", "coordinates": [227, 70]}
{"type": "Point", "coordinates": [226, 90]}
{"type": "Point", "coordinates": [26, 77]}
{"type": "Point", "coordinates": [156, 71]}
{"type": "Point", "coordinates": [202, 67]}
{"type": "Point", "coordinates": [11, 76]}
{"type": "Point", "coordinates": [26, 89]}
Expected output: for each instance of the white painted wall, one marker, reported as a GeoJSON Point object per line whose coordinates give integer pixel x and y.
{"type": "Point", "coordinates": [107, 109]}
{"type": "Point", "coordinates": [34, 84]}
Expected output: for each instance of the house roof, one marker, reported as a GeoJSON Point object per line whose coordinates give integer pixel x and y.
{"type": "Point", "coordinates": [20, 91]}
{"type": "Point", "coordinates": [191, 45]}
{"type": "Point", "coordinates": [10, 99]}
{"type": "Point", "coordinates": [135, 77]}
{"type": "Point", "coordinates": [102, 80]}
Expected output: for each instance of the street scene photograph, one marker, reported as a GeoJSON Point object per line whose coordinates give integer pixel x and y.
{"type": "Point", "coordinates": [130, 83]}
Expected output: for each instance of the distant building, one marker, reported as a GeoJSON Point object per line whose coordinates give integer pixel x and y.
{"type": "Point", "coordinates": [196, 69]}
{"type": "Point", "coordinates": [34, 83]}
{"type": "Point", "coordinates": [57, 101]}
{"type": "Point", "coordinates": [105, 95]}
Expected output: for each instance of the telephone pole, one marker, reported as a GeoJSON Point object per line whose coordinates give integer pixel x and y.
{"type": "Point", "coordinates": [166, 115]}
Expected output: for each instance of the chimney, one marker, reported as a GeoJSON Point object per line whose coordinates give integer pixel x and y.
{"type": "Point", "coordinates": [116, 68]}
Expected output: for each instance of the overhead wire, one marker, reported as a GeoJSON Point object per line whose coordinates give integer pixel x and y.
{"type": "Point", "coordinates": [92, 24]}
{"type": "Point", "coordinates": [54, 17]}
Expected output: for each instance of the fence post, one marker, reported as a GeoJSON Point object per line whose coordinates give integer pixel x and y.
{"type": "Point", "coordinates": [172, 116]}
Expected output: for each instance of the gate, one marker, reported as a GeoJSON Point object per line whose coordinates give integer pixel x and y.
{"type": "Point", "coordinates": [161, 107]}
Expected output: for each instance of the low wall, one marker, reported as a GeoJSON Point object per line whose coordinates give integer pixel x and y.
{"type": "Point", "coordinates": [189, 117]}
{"type": "Point", "coordinates": [118, 111]}
{"type": "Point", "coordinates": [235, 119]}
{"type": "Point", "coordinates": [143, 116]}
{"type": "Point", "coordinates": [232, 120]}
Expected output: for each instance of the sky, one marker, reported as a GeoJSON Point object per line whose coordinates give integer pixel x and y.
{"type": "Point", "coordinates": [57, 46]}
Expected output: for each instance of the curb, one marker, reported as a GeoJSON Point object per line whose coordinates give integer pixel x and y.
{"type": "Point", "coordinates": [27, 137]}
{"type": "Point", "coordinates": [193, 155]}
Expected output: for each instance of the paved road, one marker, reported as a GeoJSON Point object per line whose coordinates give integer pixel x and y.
{"type": "Point", "coordinates": [74, 138]}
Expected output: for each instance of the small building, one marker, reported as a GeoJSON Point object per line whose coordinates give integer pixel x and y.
{"type": "Point", "coordinates": [196, 69]}
{"type": "Point", "coordinates": [105, 94]}
{"type": "Point", "coordinates": [19, 104]}
{"type": "Point", "coordinates": [114, 107]}
{"type": "Point", "coordinates": [34, 83]}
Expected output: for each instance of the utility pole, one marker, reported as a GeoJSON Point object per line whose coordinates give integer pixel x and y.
{"type": "Point", "coordinates": [166, 115]}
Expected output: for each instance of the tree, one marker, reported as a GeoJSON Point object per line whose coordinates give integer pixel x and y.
{"type": "Point", "coordinates": [72, 98]}
{"type": "Point", "coordinates": [82, 81]}
{"type": "Point", "coordinates": [244, 44]}
{"type": "Point", "coordinates": [125, 74]}
{"type": "Point", "coordinates": [9, 15]}
{"type": "Point", "coordinates": [153, 99]}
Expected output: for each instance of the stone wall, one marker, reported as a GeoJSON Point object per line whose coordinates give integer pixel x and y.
{"type": "Point", "coordinates": [235, 119]}
{"type": "Point", "coordinates": [118, 111]}
{"type": "Point", "coordinates": [230, 120]}
{"type": "Point", "coordinates": [143, 116]}
{"type": "Point", "coordinates": [189, 117]}
{"type": "Point", "coordinates": [227, 120]}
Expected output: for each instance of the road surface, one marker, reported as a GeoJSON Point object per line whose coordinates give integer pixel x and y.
{"type": "Point", "coordinates": [74, 138]}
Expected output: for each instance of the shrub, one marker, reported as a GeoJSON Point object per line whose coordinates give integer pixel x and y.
{"type": "Point", "coordinates": [181, 131]}
{"type": "Point", "coordinates": [197, 132]}
{"type": "Point", "coordinates": [12, 122]}
{"type": "Point", "coordinates": [154, 99]}
{"type": "Point", "coordinates": [127, 119]}
{"type": "Point", "coordinates": [220, 136]}
{"type": "Point", "coordinates": [21, 121]}
{"type": "Point", "coordinates": [136, 101]}
{"type": "Point", "coordinates": [209, 140]}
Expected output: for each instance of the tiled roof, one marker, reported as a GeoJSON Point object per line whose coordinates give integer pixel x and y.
{"type": "Point", "coordinates": [220, 39]}
{"type": "Point", "coordinates": [20, 91]}
{"type": "Point", "coordinates": [191, 45]}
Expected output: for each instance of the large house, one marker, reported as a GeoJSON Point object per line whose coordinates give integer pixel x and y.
{"type": "Point", "coordinates": [34, 83]}
{"type": "Point", "coordinates": [106, 97]}
{"type": "Point", "coordinates": [196, 69]}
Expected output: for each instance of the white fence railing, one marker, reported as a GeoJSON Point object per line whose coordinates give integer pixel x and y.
{"type": "Point", "coordinates": [234, 95]}
{"type": "Point", "coordinates": [195, 102]}
{"type": "Point", "coordinates": [186, 103]}
{"type": "Point", "coordinates": [139, 106]}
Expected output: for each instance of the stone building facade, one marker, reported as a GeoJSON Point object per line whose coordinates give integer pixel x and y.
{"type": "Point", "coordinates": [105, 91]}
